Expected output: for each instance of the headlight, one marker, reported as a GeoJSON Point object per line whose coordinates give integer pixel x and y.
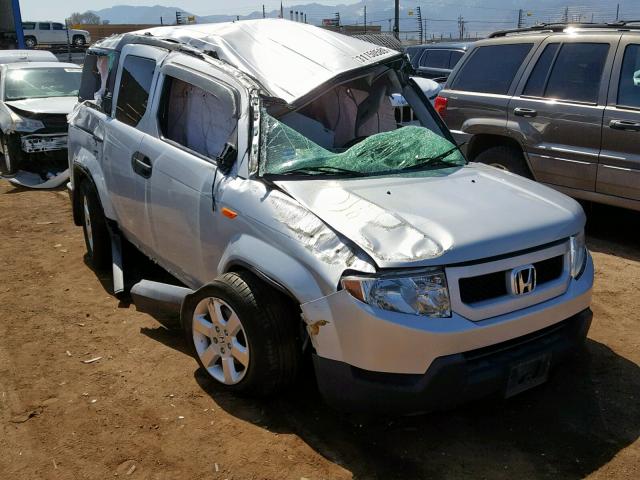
{"type": "Point", "coordinates": [423, 292]}
{"type": "Point", "coordinates": [578, 254]}
{"type": "Point", "coordinates": [23, 124]}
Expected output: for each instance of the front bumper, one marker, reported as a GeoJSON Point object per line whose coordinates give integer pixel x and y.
{"type": "Point", "coordinates": [450, 380]}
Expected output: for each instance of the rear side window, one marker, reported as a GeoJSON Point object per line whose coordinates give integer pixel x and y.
{"type": "Point", "coordinates": [455, 58]}
{"type": "Point", "coordinates": [629, 88]}
{"type": "Point", "coordinates": [577, 71]}
{"type": "Point", "coordinates": [135, 84]}
{"type": "Point", "coordinates": [540, 73]}
{"type": "Point", "coordinates": [44, 26]}
{"type": "Point", "coordinates": [28, 25]}
{"type": "Point", "coordinates": [203, 121]}
{"type": "Point", "coordinates": [491, 69]}
{"type": "Point", "coordinates": [435, 58]}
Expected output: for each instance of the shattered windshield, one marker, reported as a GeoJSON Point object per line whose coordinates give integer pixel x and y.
{"type": "Point", "coordinates": [286, 151]}
{"type": "Point", "coordinates": [42, 83]}
{"type": "Point", "coordinates": [376, 123]}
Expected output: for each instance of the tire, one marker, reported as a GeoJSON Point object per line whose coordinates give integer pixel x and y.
{"type": "Point", "coordinates": [506, 158]}
{"type": "Point", "coordinates": [94, 226]}
{"type": "Point", "coordinates": [259, 326]}
{"type": "Point", "coordinates": [30, 42]}
{"type": "Point", "coordinates": [78, 41]}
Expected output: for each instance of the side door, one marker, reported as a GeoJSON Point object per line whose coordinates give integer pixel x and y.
{"type": "Point", "coordinates": [197, 115]}
{"type": "Point", "coordinates": [126, 169]}
{"type": "Point", "coordinates": [478, 94]}
{"type": "Point", "coordinates": [58, 33]}
{"type": "Point", "coordinates": [557, 111]}
{"type": "Point", "coordinates": [619, 168]}
{"type": "Point", "coordinates": [44, 33]}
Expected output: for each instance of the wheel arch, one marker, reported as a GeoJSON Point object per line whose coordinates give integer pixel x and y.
{"type": "Point", "coordinates": [482, 142]}
{"type": "Point", "coordinates": [86, 168]}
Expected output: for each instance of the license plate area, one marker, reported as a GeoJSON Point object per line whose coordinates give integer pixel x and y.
{"type": "Point", "coordinates": [528, 374]}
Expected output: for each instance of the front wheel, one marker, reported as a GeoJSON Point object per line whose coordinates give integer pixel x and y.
{"type": "Point", "coordinates": [78, 41]}
{"type": "Point", "coordinates": [243, 334]}
{"type": "Point", "coordinates": [507, 158]}
{"type": "Point", "coordinates": [94, 226]}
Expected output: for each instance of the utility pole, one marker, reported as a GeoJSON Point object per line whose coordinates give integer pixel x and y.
{"type": "Point", "coordinates": [618, 12]}
{"type": "Point", "coordinates": [520, 18]}
{"type": "Point", "coordinates": [263, 13]}
{"type": "Point", "coordinates": [396, 22]}
{"type": "Point", "coordinates": [565, 16]}
{"type": "Point", "coordinates": [419, 18]}
{"type": "Point", "coordinates": [305, 18]}
{"type": "Point", "coordinates": [461, 26]}
{"type": "Point", "coordinates": [337, 15]}
{"type": "Point", "coordinates": [365, 19]}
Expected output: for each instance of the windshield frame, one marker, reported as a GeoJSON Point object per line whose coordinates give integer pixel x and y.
{"type": "Point", "coordinates": [10, 72]}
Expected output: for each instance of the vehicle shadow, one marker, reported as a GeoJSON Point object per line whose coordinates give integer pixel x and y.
{"type": "Point", "coordinates": [613, 231]}
{"type": "Point", "coordinates": [567, 428]}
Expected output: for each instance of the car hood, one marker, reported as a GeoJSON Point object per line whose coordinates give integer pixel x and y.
{"type": "Point", "coordinates": [440, 216]}
{"type": "Point", "coordinates": [50, 105]}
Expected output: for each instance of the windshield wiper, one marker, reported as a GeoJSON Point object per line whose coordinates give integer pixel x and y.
{"type": "Point", "coordinates": [320, 169]}
{"type": "Point", "coordinates": [435, 162]}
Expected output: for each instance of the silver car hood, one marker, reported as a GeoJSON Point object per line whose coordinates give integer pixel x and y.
{"type": "Point", "coordinates": [476, 212]}
{"type": "Point", "coordinates": [55, 105]}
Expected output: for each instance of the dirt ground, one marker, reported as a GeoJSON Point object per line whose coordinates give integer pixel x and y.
{"type": "Point", "coordinates": [143, 410]}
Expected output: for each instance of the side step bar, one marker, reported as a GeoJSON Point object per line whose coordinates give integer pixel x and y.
{"type": "Point", "coordinates": [149, 296]}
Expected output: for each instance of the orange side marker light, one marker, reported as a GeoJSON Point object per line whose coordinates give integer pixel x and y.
{"type": "Point", "coordinates": [229, 213]}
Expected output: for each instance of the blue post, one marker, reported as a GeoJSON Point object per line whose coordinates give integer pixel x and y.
{"type": "Point", "coordinates": [17, 20]}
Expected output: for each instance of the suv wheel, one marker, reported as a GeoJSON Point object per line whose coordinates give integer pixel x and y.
{"type": "Point", "coordinates": [94, 226]}
{"type": "Point", "coordinates": [506, 158]}
{"type": "Point", "coordinates": [243, 334]}
{"type": "Point", "coordinates": [30, 42]}
{"type": "Point", "coordinates": [78, 41]}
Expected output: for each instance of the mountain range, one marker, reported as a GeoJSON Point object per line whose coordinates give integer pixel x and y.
{"type": "Point", "coordinates": [441, 17]}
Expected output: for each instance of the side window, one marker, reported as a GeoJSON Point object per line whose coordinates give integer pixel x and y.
{"type": "Point", "coordinates": [135, 84]}
{"type": "Point", "coordinates": [455, 58]}
{"type": "Point", "coordinates": [577, 72]}
{"type": "Point", "coordinates": [28, 25]}
{"type": "Point", "coordinates": [540, 73]}
{"type": "Point", "coordinates": [435, 58]}
{"type": "Point", "coordinates": [629, 88]}
{"type": "Point", "coordinates": [491, 69]}
{"type": "Point", "coordinates": [44, 26]}
{"type": "Point", "coordinates": [57, 26]}
{"type": "Point", "coordinates": [201, 120]}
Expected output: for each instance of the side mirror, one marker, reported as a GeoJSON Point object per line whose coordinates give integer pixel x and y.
{"type": "Point", "coordinates": [227, 158]}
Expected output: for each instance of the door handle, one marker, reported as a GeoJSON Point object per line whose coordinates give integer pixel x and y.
{"type": "Point", "coordinates": [625, 125]}
{"type": "Point", "coordinates": [525, 112]}
{"type": "Point", "coordinates": [141, 164]}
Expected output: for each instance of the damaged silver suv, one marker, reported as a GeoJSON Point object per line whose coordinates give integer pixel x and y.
{"type": "Point", "coordinates": [261, 164]}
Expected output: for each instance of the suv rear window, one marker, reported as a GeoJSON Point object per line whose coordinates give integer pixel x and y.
{"type": "Point", "coordinates": [576, 71]}
{"type": "Point", "coordinates": [491, 69]}
{"type": "Point", "coordinates": [629, 88]}
{"type": "Point", "coordinates": [435, 58]}
{"type": "Point", "coordinates": [28, 25]}
{"type": "Point", "coordinates": [135, 84]}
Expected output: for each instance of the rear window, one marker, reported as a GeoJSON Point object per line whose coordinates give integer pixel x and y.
{"type": "Point", "coordinates": [28, 25]}
{"type": "Point", "coordinates": [629, 88]}
{"type": "Point", "coordinates": [577, 72]}
{"type": "Point", "coordinates": [435, 58]}
{"type": "Point", "coordinates": [491, 69]}
{"type": "Point", "coordinates": [455, 58]}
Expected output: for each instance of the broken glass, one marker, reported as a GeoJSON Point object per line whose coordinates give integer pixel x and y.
{"type": "Point", "coordinates": [285, 150]}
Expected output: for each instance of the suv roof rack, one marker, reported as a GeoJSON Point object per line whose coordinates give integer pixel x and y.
{"type": "Point", "coordinates": [561, 26]}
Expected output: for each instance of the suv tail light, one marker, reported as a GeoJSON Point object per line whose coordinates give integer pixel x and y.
{"type": "Point", "coordinates": [441, 105]}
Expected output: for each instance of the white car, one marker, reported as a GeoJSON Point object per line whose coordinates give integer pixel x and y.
{"type": "Point", "coordinates": [35, 99]}
{"type": "Point", "coordinates": [53, 33]}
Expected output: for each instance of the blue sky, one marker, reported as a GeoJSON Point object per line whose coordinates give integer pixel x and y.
{"type": "Point", "coordinates": [52, 10]}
